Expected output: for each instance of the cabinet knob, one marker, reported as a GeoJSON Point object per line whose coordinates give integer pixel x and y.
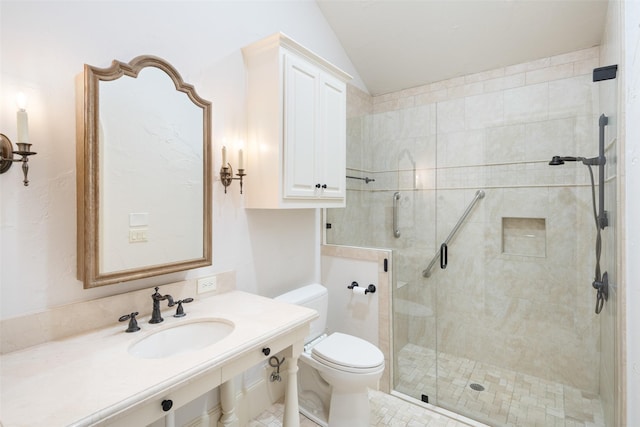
{"type": "Point", "coordinates": [167, 405]}
{"type": "Point", "coordinates": [324, 185]}
{"type": "Point", "coordinates": [318, 185]}
{"type": "Point", "coordinates": [266, 351]}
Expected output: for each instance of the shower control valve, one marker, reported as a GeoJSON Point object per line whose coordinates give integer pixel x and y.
{"type": "Point", "coordinates": [602, 286]}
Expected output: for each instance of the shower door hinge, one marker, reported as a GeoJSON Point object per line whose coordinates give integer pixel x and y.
{"type": "Point", "coordinates": [386, 265]}
{"type": "Point", "coordinates": [605, 73]}
{"type": "Point", "coordinates": [424, 398]}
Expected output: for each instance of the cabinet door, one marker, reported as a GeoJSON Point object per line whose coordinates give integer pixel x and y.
{"type": "Point", "coordinates": [300, 127]}
{"type": "Point", "coordinates": [331, 147]}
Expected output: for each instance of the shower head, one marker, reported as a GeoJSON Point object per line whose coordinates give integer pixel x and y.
{"type": "Point", "coordinates": [557, 160]}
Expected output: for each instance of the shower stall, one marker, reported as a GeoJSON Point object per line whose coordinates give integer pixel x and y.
{"type": "Point", "coordinates": [493, 248]}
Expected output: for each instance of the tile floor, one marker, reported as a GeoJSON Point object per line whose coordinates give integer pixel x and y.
{"type": "Point", "coordinates": [386, 411]}
{"type": "Point", "coordinates": [509, 398]}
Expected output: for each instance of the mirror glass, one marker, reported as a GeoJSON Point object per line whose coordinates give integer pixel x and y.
{"type": "Point", "coordinates": [146, 207]}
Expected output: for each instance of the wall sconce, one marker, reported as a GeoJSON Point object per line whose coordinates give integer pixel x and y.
{"type": "Point", "coordinates": [24, 148]}
{"type": "Point", "coordinates": [226, 171]}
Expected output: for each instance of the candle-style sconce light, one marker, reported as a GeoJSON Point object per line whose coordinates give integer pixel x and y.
{"type": "Point", "coordinates": [24, 148]}
{"type": "Point", "coordinates": [226, 171]}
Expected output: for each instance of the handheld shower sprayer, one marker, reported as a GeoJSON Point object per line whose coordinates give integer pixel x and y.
{"type": "Point", "coordinates": [595, 161]}
{"type": "Point", "coordinates": [557, 160]}
{"type": "Point", "coordinates": [601, 282]}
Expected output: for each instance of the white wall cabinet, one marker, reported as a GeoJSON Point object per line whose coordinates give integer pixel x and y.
{"type": "Point", "coordinates": [296, 127]}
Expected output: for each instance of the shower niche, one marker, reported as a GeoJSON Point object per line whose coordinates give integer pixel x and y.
{"type": "Point", "coordinates": [524, 237]}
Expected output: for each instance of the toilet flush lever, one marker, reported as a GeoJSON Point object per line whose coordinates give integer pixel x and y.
{"type": "Point", "coordinates": [274, 362]}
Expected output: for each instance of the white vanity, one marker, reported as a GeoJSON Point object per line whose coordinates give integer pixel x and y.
{"type": "Point", "coordinates": [92, 379]}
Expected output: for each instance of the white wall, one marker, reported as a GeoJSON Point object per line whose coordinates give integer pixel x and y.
{"type": "Point", "coordinates": [631, 72]}
{"type": "Point", "coordinates": [44, 46]}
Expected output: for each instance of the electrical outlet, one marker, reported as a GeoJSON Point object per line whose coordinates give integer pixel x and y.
{"type": "Point", "coordinates": [207, 284]}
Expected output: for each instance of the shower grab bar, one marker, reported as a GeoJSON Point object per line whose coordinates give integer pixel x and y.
{"type": "Point", "coordinates": [396, 229]}
{"type": "Point", "coordinates": [427, 271]}
{"type": "Point", "coordinates": [366, 179]}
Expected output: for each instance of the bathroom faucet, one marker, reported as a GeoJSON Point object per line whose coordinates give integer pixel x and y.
{"type": "Point", "coordinates": [156, 297]}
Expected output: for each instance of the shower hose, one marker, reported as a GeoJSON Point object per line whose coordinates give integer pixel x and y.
{"type": "Point", "coordinates": [597, 283]}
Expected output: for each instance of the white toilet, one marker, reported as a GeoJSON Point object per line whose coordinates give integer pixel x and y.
{"type": "Point", "coordinates": [336, 370]}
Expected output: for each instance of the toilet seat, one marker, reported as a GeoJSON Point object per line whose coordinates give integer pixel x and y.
{"type": "Point", "coordinates": [348, 353]}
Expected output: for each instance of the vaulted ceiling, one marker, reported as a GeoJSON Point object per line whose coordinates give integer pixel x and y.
{"type": "Point", "coordinates": [398, 44]}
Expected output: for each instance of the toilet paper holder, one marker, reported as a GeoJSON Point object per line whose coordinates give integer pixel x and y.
{"type": "Point", "coordinates": [370, 289]}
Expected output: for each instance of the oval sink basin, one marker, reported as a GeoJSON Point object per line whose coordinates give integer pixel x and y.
{"type": "Point", "coordinates": [181, 338]}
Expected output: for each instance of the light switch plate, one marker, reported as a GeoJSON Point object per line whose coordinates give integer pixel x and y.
{"type": "Point", "coordinates": [140, 219]}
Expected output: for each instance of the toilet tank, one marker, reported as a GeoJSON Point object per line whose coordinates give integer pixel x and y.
{"type": "Point", "coordinates": [313, 296]}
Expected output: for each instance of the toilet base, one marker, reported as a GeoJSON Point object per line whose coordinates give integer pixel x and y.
{"type": "Point", "coordinates": [349, 409]}
{"type": "Point", "coordinates": [314, 393]}
{"type": "Point", "coordinates": [320, 421]}
{"type": "Point", "coordinates": [335, 398]}
{"type": "Point", "coordinates": [311, 406]}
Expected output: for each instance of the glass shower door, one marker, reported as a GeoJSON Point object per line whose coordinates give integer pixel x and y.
{"type": "Point", "coordinates": [391, 204]}
{"type": "Point", "coordinates": [414, 301]}
{"type": "Point", "coordinates": [406, 195]}
{"type": "Point", "coordinates": [458, 277]}
{"type": "Point", "coordinates": [505, 333]}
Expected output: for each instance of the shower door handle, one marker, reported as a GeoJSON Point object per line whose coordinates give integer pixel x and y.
{"type": "Point", "coordinates": [444, 249]}
{"type": "Point", "coordinates": [396, 229]}
{"type": "Point", "coordinates": [442, 254]}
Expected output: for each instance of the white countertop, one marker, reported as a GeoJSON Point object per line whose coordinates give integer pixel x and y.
{"type": "Point", "coordinates": [86, 378]}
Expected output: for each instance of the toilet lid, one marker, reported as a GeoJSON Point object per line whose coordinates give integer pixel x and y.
{"type": "Point", "coordinates": [348, 351]}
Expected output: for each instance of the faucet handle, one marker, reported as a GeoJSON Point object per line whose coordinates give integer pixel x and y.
{"type": "Point", "coordinates": [180, 311]}
{"type": "Point", "coordinates": [133, 323]}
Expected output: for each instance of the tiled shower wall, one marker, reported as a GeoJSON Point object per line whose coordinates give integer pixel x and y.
{"type": "Point", "coordinates": [527, 305]}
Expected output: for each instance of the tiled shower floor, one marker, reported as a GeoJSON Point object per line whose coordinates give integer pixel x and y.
{"type": "Point", "coordinates": [509, 398]}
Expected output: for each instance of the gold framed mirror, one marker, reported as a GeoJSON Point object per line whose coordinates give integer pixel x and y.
{"type": "Point", "coordinates": [143, 173]}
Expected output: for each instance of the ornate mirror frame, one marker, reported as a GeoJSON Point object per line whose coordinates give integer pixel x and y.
{"type": "Point", "coordinates": [88, 174]}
